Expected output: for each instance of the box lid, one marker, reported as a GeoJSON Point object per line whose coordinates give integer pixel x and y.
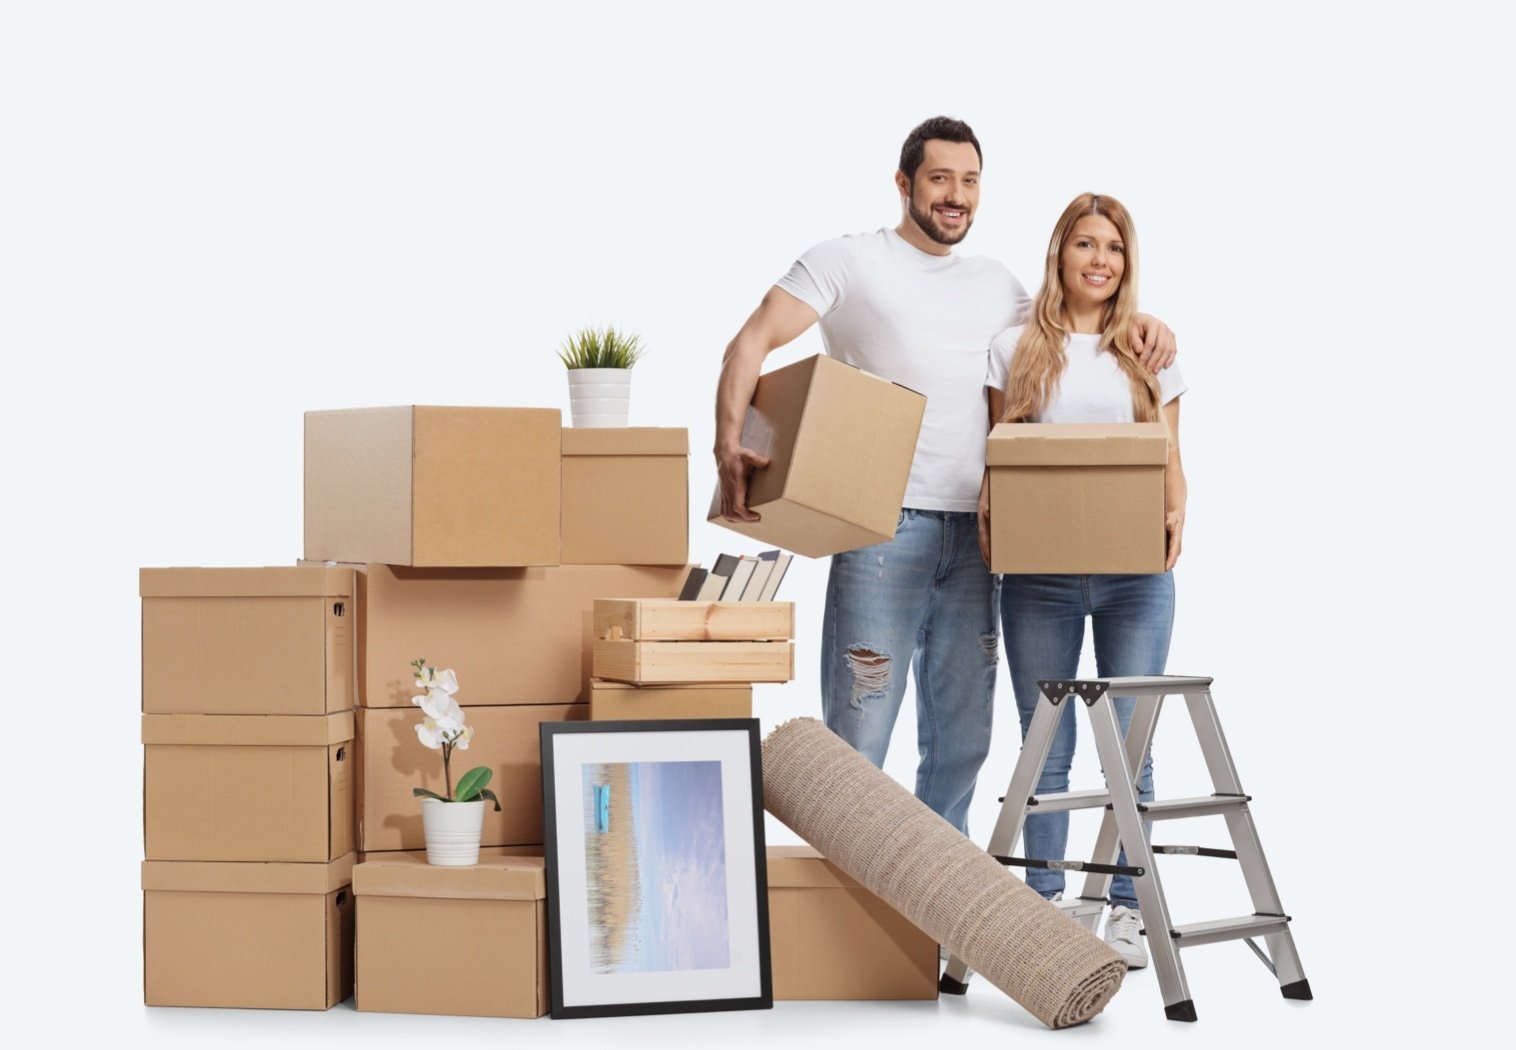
{"type": "Point", "coordinates": [626, 441]}
{"type": "Point", "coordinates": [804, 866]}
{"type": "Point", "coordinates": [249, 730]}
{"type": "Point", "coordinates": [271, 582]}
{"type": "Point", "coordinates": [493, 878]}
{"type": "Point", "coordinates": [245, 877]}
{"type": "Point", "coordinates": [1077, 444]}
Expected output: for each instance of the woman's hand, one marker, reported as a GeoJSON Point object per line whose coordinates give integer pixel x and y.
{"type": "Point", "coordinates": [1156, 348]}
{"type": "Point", "coordinates": [984, 518]}
{"type": "Point", "coordinates": [1173, 523]}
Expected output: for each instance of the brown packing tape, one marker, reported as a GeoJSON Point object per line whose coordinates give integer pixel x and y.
{"type": "Point", "coordinates": [626, 441]}
{"type": "Point", "coordinates": [246, 877]}
{"type": "Point", "coordinates": [273, 582]}
{"type": "Point", "coordinates": [248, 730]}
{"type": "Point", "coordinates": [493, 878]}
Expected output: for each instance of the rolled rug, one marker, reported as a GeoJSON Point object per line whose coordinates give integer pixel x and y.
{"type": "Point", "coordinates": [884, 837]}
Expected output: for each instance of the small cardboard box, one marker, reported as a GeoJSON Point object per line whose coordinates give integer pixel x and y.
{"type": "Point", "coordinates": [272, 936]}
{"type": "Point", "coordinates": [273, 641]}
{"type": "Point", "coordinates": [626, 496]}
{"type": "Point", "coordinates": [1077, 497]}
{"type": "Point", "coordinates": [392, 761]}
{"type": "Point", "coordinates": [420, 485]}
{"type": "Point", "coordinates": [515, 636]}
{"type": "Point", "coordinates": [672, 663]}
{"type": "Point", "coordinates": [480, 932]}
{"type": "Point", "coordinates": [248, 787]}
{"type": "Point", "coordinates": [832, 939]}
{"type": "Point", "coordinates": [663, 620]}
{"type": "Point", "coordinates": [617, 701]}
{"type": "Point", "coordinates": [840, 444]}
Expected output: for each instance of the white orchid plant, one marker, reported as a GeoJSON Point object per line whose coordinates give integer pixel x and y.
{"type": "Point", "coordinates": [443, 729]}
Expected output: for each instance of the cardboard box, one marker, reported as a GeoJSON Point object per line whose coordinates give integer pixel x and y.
{"type": "Point", "coordinates": [832, 939]}
{"type": "Point", "coordinates": [480, 933]}
{"type": "Point", "coordinates": [617, 701]}
{"type": "Point", "coordinates": [662, 620]}
{"type": "Point", "coordinates": [273, 936]}
{"type": "Point", "coordinates": [274, 641]}
{"type": "Point", "coordinates": [840, 444]}
{"type": "Point", "coordinates": [420, 485]}
{"type": "Point", "coordinates": [392, 761]}
{"type": "Point", "coordinates": [248, 787]}
{"type": "Point", "coordinates": [626, 496]}
{"type": "Point", "coordinates": [1077, 497]}
{"type": "Point", "coordinates": [515, 636]}
{"type": "Point", "coordinates": [669, 663]}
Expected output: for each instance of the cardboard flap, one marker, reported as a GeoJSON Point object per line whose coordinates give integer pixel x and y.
{"type": "Point", "coordinates": [493, 878]}
{"type": "Point", "coordinates": [626, 441]}
{"type": "Point", "coordinates": [273, 582]}
{"type": "Point", "coordinates": [804, 866]}
{"type": "Point", "coordinates": [249, 730]}
{"type": "Point", "coordinates": [246, 877]}
{"type": "Point", "coordinates": [1077, 444]}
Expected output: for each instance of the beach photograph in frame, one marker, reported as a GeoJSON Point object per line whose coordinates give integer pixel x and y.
{"type": "Point", "coordinates": [657, 888]}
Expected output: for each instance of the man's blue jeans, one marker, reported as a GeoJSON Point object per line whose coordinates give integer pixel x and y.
{"type": "Point", "coordinates": [1044, 618]}
{"type": "Point", "coordinates": [924, 599]}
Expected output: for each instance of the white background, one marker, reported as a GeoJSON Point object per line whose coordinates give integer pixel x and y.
{"type": "Point", "coordinates": [215, 216]}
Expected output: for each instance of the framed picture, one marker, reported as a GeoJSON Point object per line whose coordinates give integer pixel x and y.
{"type": "Point", "coordinates": [656, 869]}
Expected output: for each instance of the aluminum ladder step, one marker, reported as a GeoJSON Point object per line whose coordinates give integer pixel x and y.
{"type": "Point", "coordinates": [1201, 806]}
{"type": "Point", "coordinates": [1240, 928]}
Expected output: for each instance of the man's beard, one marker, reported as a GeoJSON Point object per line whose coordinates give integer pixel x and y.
{"type": "Point", "coordinates": [927, 222]}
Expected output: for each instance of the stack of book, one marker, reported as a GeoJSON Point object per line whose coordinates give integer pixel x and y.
{"type": "Point", "coordinates": [738, 578]}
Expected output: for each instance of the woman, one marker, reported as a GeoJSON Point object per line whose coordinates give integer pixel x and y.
{"type": "Point", "coordinates": [1073, 362]}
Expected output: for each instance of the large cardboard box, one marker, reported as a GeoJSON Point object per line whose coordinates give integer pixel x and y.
{"type": "Point", "coordinates": [392, 761]}
{"type": "Point", "coordinates": [248, 787]}
{"type": "Point", "coordinates": [1077, 497]}
{"type": "Point", "coordinates": [832, 939]}
{"type": "Point", "coordinates": [480, 933]}
{"type": "Point", "coordinates": [840, 444]}
{"type": "Point", "coordinates": [626, 496]}
{"type": "Point", "coordinates": [272, 641]}
{"type": "Point", "coordinates": [420, 485]}
{"type": "Point", "coordinates": [617, 701]}
{"type": "Point", "coordinates": [275, 936]}
{"type": "Point", "coordinates": [515, 636]}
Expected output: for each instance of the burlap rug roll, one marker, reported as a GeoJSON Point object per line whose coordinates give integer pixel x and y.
{"type": "Point", "coordinates": [881, 835]}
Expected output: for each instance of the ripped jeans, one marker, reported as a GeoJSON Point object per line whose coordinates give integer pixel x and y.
{"type": "Point", "coordinates": [924, 600]}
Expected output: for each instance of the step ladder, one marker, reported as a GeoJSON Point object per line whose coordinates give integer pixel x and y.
{"type": "Point", "coordinates": [1125, 823]}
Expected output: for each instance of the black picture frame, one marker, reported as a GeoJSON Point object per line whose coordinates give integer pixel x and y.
{"type": "Point", "coordinates": [613, 948]}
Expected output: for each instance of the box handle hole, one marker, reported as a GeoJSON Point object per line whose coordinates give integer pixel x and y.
{"type": "Point", "coordinates": [341, 898]}
{"type": "Point", "coordinates": [339, 608]}
{"type": "Point", "coordinates": [341, 753]}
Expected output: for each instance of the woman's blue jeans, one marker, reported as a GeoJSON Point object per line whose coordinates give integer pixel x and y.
{"type": "Point", "coordinates": [924, 600]}
{"type": "Point", "coordinates": [1043, 619]}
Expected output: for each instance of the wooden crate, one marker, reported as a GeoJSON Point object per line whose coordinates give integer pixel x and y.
{"type": "Point", "coordinates": [666, 620]}
{"type": "Point", "coordinates": [668, 663]}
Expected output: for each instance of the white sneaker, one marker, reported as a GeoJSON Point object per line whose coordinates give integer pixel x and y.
{"type": "Point", "coordinates": [1121, 933]}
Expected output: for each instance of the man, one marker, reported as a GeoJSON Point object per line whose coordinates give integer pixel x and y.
{"type": "Point", "coordinates": [899, 304]}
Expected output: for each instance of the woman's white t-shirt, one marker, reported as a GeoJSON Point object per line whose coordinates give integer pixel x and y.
{"type": "Point", "coordinates": [1092, 389]}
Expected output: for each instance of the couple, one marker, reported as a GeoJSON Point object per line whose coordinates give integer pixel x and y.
{"type": "Point", "coordinates": [963, 331]}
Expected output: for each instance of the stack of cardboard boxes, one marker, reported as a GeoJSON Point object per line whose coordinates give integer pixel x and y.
{"type": "Point", "coordinates": [247, 732]}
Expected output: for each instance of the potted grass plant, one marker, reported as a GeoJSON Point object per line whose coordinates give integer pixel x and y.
{"type": "Point", "coordinates": [599, 363]}
{"type": "Point", "coordinates": [454, 821]}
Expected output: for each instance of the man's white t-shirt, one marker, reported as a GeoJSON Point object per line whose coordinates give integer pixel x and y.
{"type": "Point", "coordinates": [923, 321]}
{"type": "Point", "coordinates": [1092, 389]}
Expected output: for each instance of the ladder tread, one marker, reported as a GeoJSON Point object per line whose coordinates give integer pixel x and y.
{"type": "Point", "coordinates": [1232, 929]}
{"type": "Point", "coordinates": [1199, 806]}
{"type": "Point", "coordinates": [1066, 800]}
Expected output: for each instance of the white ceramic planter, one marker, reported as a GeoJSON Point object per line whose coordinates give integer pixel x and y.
{"type": "Point", "coordinates": [453, 830]}
{"type": "Point", "coordinates": [599, 397]}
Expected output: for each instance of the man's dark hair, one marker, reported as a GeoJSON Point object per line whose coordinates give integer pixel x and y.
{"type": "Point", "coordinates": [945, 128]}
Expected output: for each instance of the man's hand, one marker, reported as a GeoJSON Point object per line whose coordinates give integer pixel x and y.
{"type": "Point", "coordinates": [1155, 343]}
{"type": "Point", "coordinates": [732, 469]}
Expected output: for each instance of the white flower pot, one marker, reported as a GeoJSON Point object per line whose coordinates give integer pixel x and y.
{"type": "Point", "coordinates": [453, 830]}
{"type": "Point", "coordinates": [599, 397]}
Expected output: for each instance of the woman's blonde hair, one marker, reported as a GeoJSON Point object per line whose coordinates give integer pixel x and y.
{"type": "Point", "coordinates": [1039, 359]}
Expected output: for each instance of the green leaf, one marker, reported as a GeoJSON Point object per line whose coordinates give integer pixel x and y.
{"type": "Point", "coordinates": [471, 783]}
{"type": "Point", "coordinates": [487, 793]}
{"type": "Point", "coordinates": [424, 793]}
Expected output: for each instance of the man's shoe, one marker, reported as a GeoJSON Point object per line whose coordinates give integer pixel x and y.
{"type": "Point", "coordinates": [1121, 933]}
